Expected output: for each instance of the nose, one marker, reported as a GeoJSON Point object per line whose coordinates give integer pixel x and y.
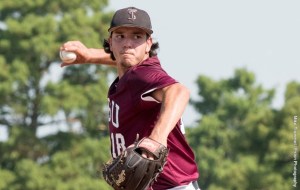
{"type": "Point", "coordinates": [127, 43]}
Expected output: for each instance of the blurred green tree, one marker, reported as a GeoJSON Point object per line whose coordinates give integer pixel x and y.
{"type": "Point", "coordinates": [241, 142]}
{"type": "Point", "coordinates": [35, 92]}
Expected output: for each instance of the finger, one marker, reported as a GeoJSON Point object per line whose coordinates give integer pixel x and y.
{"type": "Point", "coordinates": [147, 155]}
{"type": "Point", "coordinates": [65, 64]}
{"type": "Point", "coordinates": [71, 46]}
{"type": "Point", "coordinates": [144, 154]}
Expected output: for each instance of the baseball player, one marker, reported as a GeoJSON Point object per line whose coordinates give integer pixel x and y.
{"type": "Point", "coordinates": [143, 99]}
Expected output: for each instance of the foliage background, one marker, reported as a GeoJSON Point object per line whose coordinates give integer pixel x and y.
{"type": "Point", "coordinates": [240, 141]}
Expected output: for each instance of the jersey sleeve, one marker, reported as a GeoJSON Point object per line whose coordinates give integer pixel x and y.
{"type": "Point", "coordinates": [148, 78]}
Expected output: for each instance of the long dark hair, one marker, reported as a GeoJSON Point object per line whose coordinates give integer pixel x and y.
{"type": "Point", "coordinates": [153, 50]}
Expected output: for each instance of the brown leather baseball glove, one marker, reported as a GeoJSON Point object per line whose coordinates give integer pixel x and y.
{"type": "Point", "coordinates": [131, 171]}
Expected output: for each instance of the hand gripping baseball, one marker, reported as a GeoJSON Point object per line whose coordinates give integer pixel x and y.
{"type": "Point", "coordinates": [72, 48]}
{"type": "Point", "coordinates": [132, 171]}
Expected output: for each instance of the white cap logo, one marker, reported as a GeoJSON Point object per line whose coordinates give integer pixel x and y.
{"type": "Point", "coordinates": [131, 12]}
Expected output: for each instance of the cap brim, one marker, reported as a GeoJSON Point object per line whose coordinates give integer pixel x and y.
{"type": "Point", "coordinates": [131, 26]}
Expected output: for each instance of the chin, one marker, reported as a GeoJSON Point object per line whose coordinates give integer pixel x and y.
{"type": "Point", "coordinates": [127, 63]}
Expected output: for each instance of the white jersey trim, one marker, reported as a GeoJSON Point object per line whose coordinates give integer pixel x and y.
{"type": "Point", "coordinates": [182, 128]}
{"type": "Point", "coordinates": [148, 98]}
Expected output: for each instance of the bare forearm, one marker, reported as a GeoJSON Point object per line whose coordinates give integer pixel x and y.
{"type": "Point", "coordinates": [174, 100]}
{"type": "Point", "coordinates": [99, 56]}
{"type": "Point", "coordinates": [86, 55]}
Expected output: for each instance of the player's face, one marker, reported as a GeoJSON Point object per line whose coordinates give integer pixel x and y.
{"type": "Point", "coordinates": [130, 46]}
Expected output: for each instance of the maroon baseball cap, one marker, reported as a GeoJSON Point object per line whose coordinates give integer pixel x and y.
{"type": "Point", "coordinates": [131, 17]}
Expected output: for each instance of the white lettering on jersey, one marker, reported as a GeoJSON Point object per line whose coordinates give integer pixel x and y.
{"type": "Point", "coordinates": [113, 114]}
{"type": "Point", "coordinates": [118, 144]}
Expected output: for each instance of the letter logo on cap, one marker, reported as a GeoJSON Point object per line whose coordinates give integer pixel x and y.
{"type": "Point", "coordinates": [131, 12]}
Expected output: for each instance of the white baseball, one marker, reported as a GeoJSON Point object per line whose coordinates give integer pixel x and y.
{"type": "Point", "coordinates": [67, 56]}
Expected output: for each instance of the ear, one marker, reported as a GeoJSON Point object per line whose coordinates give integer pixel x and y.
{"type": "Point", "coordinates": [109, 41]}
{"type": "Point", "coordinates": [148, 44]}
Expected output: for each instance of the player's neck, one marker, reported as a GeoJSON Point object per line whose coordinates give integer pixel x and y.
{"type": "Point", "coordinates": [123, 67]}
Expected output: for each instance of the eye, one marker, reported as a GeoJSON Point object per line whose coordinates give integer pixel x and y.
{"type": "Point", "coordinates": [119, 36]}
{"type": "Point", "coordinates": [137, 36]}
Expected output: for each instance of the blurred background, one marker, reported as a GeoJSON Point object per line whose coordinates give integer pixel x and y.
{"type": "Point", "coordinates": [239, 59]}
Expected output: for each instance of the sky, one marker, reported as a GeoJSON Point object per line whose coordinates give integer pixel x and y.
{"type": "Point", "coordinates": [215, 37]}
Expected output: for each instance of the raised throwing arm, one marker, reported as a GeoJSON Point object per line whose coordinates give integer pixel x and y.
{"type": "Point", "coordinates": [86, 55]}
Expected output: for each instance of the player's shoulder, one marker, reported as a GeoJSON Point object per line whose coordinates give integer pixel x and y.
{"type": "Point", "coordinates": [151, 61]}
{"type": "Point", "coordinates": [151, 64]}
{"type": "Point", "coordinates": [148, 67]}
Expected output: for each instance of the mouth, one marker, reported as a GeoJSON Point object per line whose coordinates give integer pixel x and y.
{"type": "Point", "coordinates": [126, 53]}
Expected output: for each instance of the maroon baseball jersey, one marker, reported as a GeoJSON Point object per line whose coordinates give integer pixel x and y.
{"type": "Point", "coordinates": [132, 111]}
